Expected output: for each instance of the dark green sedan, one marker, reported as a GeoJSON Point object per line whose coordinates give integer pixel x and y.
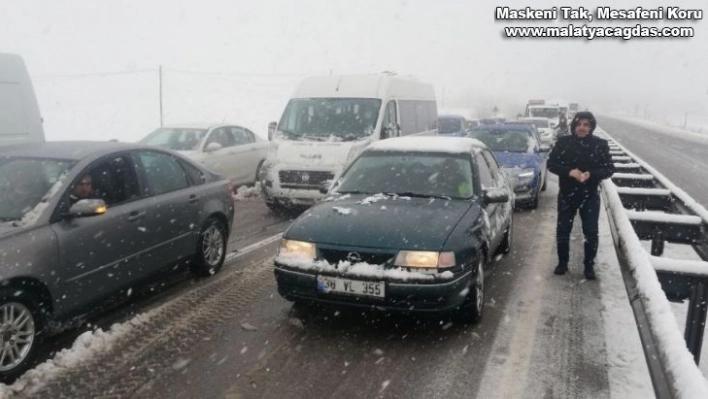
{"type": "Point", "coordinates": [410, 225]}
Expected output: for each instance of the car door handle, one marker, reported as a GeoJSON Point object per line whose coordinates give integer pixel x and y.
{"type": "Point", "coordinates": [193, 199]}
{"type": "Point", "coordinates": [136, 215]}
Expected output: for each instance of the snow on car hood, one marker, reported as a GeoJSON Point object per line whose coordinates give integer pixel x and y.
{"type": "Point", "coordinates": [387, 222]}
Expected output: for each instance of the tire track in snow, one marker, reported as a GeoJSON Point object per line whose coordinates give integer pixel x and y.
{"type": "Point", "coordinates": [158, 344]}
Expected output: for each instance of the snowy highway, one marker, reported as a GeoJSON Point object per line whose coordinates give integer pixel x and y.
{"type": "Point", "coordinates": [233, 336]}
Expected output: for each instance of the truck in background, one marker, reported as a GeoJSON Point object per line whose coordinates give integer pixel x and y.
{"type": "Point", "coordinates": [20, 120]}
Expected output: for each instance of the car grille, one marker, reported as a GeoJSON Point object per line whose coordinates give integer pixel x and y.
{"type": "Point", "coordinates": [302, 179]}
{"type": "Point", "coordinates": [334, 256]}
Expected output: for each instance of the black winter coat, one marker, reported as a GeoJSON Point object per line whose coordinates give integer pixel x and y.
{"type": "Point", "coordinates": [589, 154]}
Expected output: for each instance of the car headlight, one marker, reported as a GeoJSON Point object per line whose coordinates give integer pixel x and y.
{"type": "Point", "coordinates": [521, 177]}
{"type": "Point", "coordinates": [425, 259]}
{"type": "Point", "coordinates": [297, 249]}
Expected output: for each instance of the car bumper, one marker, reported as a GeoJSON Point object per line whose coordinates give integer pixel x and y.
{"type": "Point", "coordinates": [423, 297]}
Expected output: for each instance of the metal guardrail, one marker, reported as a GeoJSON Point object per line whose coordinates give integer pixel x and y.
{"type": "Point", "coordinates": [644, 205]}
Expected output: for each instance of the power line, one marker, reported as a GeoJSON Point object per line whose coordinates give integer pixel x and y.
{"type": "Point", "coordinates": [92, 74]}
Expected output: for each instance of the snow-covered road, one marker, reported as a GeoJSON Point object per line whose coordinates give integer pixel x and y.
{"type": "Point", "coordinates": [233, 336]}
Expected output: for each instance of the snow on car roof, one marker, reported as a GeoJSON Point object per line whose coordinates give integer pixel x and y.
{"type": "Point", "coordinates": [452, 145]}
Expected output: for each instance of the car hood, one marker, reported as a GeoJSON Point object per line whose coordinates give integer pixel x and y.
{"type": "Point", "coordinates": [516, 159]}
{"type": "Point", "coordinates": [389, 223]}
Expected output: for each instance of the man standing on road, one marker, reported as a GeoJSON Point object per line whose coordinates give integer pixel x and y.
{"type": "Point", "coordinates": [581, 162]}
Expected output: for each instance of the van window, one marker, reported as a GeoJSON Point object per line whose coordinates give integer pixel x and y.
{"type": "Point", "coordinates": [418, 116]}
{"type": "Point", "coordinates": [329, 118]}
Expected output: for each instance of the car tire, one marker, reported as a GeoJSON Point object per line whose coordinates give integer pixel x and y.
{"type": "Point", "coordinates": [27, 326]}
{"type": "Point", "coordinates": [475, 309]}
{"type": "Point", "coordinates": [275, 207]}
{"type": "Point", "coordinates": [259, 172]}
{"type": "Point", "coordinates": [534, 202]}
{"type": "Point", "coordinates": [505, 246]}
{"type": "Point", "coordinates": [211, 248]}
{"type": "Point", "coordinates": [545, 180]}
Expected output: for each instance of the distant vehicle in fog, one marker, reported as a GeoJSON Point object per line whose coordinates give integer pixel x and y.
{"type": "Point", "coordinates": [545, 131]}
{"type": "Point", "coordinates": [452, 125]}
{"type": "Point", "coordinates": [229, 150]}
{"type": "Point", "coordinates": [20, 120]}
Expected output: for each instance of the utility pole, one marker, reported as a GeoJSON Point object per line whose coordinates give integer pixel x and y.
{"type": "Point", "coordinates": [161, 117]}
{"type": "Point", "coordinates": [685, 121]}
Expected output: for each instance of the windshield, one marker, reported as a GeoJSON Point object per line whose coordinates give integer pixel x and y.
{"type": "Point", "coordinates": [329, 118]}
{"type": "Point", "coordinates": [505, 140]}
{"type": "Point", "coordinates": [450, 125]}
{"type": "Point", "coordinates": [25, 182]}
{"type": "Point", "coordinates": [411, 174]}
{"type": "Point", "coordinates": [545, 112]}
{"type": "Point", "coordinates": [178, 139]}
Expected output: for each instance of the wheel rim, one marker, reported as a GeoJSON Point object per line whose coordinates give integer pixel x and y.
{"type": "Point", "coordinates": [17, 330]}
{"type": "Point", "coordinates": [213, 246]}
{"type": "Point", "coordinates": [479, 287]}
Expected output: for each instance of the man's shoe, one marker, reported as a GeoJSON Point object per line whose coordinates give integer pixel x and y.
{"type": "Point", "coordinates": [590, 275]}
{"type": "Point", "coordinates": [560, 270]}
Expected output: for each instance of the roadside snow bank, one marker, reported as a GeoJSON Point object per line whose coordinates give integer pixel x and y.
{"type": "Point", "coordinates": [85, 347]}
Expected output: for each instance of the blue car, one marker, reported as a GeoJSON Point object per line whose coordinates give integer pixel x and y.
{"type": "Point", "coordinates": [520, 153]}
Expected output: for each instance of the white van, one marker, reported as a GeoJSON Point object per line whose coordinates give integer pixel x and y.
{"type": "Point", "coordinates": [329, 120]}
{"type": "Point", "coordinates": [20, 121]}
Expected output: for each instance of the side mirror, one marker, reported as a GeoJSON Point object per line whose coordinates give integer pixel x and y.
{"type": "Point", "coordinates": [272, 127]}
{"type": "Point", "coordinates": [211, 147]}
{"type": "Point", "coordinates": [325, 186]}
{"type": "Point", "coordinates": [87, 207]}
{"type": "Point", "coordinates": [495, 196]}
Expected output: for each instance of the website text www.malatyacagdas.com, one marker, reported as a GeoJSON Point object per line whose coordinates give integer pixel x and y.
{"type": "Point", "coordinates": [590, 32]}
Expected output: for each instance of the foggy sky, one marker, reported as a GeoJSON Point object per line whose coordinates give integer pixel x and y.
{"type": "Point", "coordinates": [456, 45]}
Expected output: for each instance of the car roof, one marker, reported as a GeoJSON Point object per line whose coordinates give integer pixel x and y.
{"type": "Point", "coordinates": [428, 144]}
{"type": "Point", "coordinates": [69, 150]}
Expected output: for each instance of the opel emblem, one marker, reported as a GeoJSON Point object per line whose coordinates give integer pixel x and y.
{"type": "Point", "coordinates": [305, 177]}
{"type": "Point", "coordinates": [354, 257]}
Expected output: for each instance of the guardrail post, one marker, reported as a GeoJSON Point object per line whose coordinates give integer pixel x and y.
{"type": "Point", "coordinates": [657, 243]}
{"type": "Point", "coordinates": [696, 318]}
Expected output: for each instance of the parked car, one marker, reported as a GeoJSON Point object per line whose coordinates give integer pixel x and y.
{"type": "Point", "coordinates": [410, 226]}
{"type": "Point", "coordinates": [229, 150]}
{"type": "Point", "coordinates": [452, 125]}
{"type": "Point", "coordinates": [82, 221]}
{"type": "Point", "coordinates": [522, 156]}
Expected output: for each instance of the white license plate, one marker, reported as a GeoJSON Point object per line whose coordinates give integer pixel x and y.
{"type": "Point", "coordinates": [333, 285]}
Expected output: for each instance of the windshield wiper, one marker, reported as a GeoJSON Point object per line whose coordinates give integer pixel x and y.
{"type": "Point", "coordinates": [348, 137]}
{"type": "Point", "coordinates": [419, 195]}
